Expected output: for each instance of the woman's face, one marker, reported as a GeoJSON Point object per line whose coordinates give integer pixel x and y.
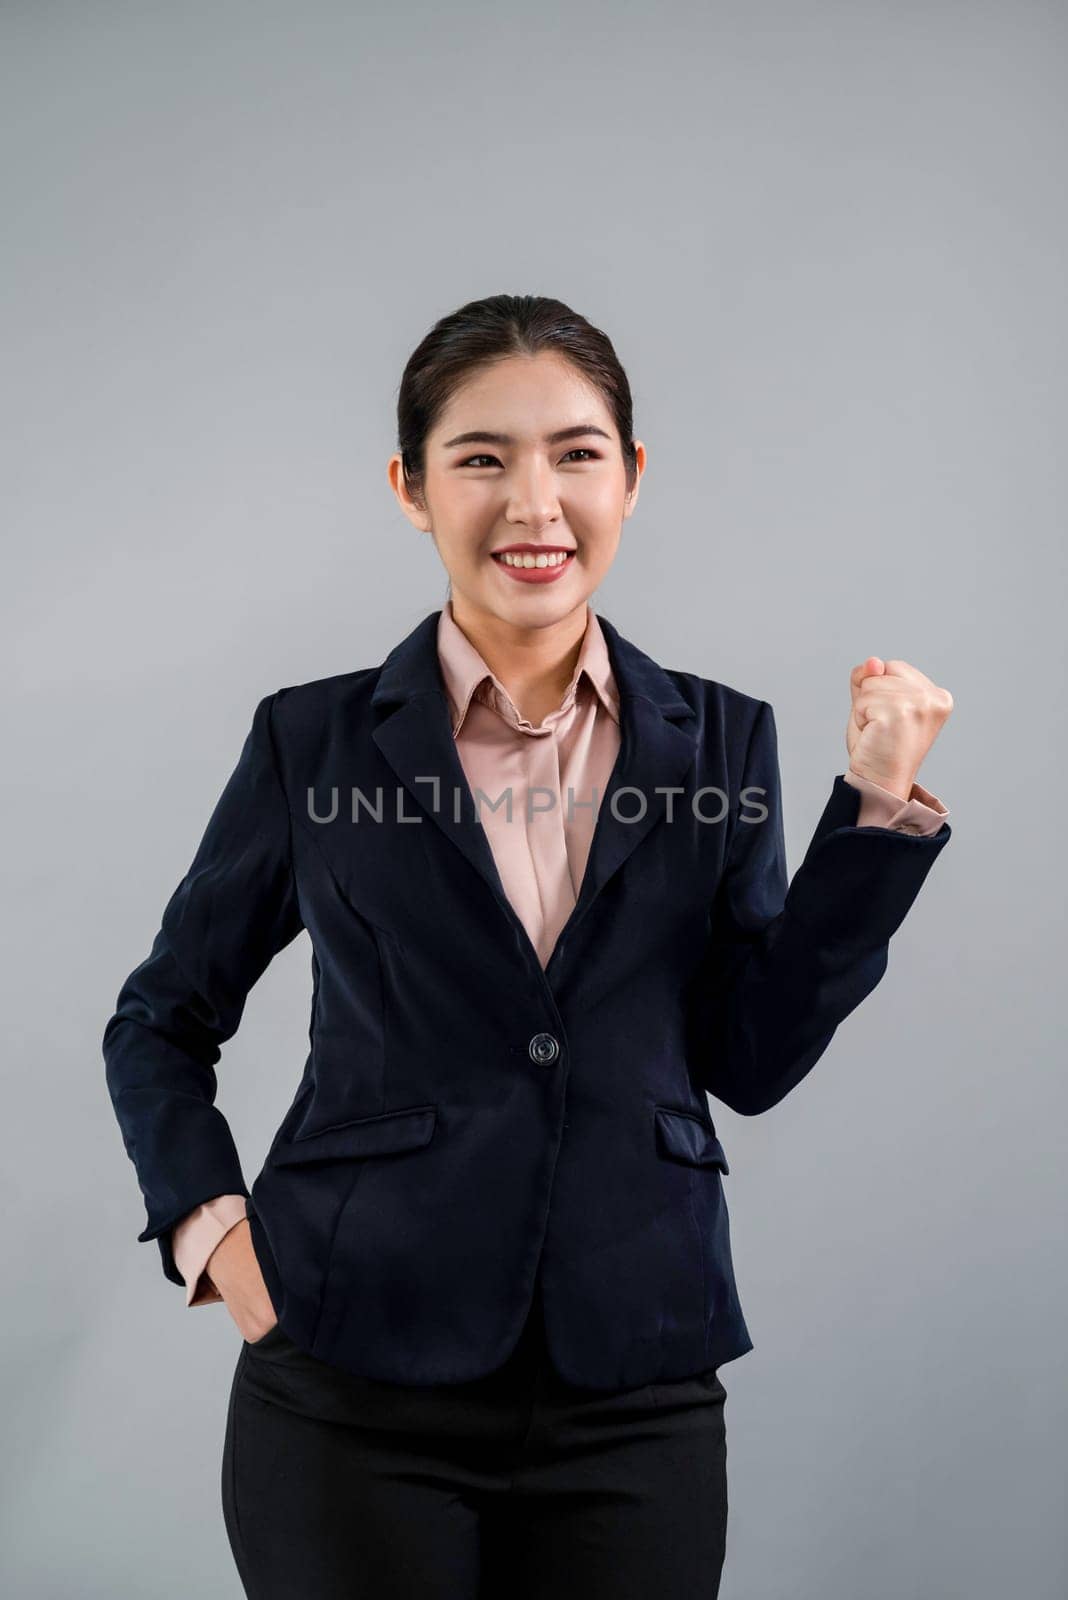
{"type": "Point", "coordinates": [484, 494]}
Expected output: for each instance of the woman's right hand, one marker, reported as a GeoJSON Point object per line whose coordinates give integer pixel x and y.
{"type": "Point", "coordinates": [235, 1272]}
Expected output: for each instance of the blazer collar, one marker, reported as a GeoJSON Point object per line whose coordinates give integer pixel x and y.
{"type": "Point", "coordinates": [658, 744]}
{"type": "Point", "coordinates": [413, 667]}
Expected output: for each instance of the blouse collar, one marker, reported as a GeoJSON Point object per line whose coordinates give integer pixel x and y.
{"type": "Point", "coordinates": [467, 676]}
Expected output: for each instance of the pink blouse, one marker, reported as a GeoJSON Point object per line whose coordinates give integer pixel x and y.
{"type": "Point", "coordinates": [557, 773]}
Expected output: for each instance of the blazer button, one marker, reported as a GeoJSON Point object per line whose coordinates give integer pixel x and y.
{"type": "Point", "coordinates": [543, 1048]}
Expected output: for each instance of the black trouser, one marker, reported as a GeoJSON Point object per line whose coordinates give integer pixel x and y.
{"type": "Point", "coordinates": [513, 1487]}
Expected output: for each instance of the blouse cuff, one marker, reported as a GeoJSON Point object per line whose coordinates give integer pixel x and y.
{"type": "Point", "coordinates": [196, 1236]}
{"type": "Point", "coordinates": [921, 813]}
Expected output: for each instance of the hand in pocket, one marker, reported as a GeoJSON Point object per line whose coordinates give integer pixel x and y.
{"type": "Point", "coordinates": [235, 1272]}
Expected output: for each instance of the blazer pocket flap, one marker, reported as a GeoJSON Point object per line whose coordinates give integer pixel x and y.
{"type": "Point", "coordinates": [383, 1135]}
{"type": "Point", "coordinates": [685, 1137]}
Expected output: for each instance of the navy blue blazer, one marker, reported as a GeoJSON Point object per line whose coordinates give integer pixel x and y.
{"type": "Point", "coordinates": [469, 1127]}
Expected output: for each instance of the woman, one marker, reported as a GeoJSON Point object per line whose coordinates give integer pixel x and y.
{"type": "Point", "coordinates": [484, 1279]}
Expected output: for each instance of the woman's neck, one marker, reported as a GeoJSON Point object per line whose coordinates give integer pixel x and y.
{"type": "Point", "coordinates": [534, 664]}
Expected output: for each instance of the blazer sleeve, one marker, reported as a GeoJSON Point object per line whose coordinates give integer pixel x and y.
{"type": "Point", "coordinates": [785, 962]}
{"type": "Point", "coordinates": [235, 908]}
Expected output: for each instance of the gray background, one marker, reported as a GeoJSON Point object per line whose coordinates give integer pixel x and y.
{"type": "Point", "coordinates": [829, 244]}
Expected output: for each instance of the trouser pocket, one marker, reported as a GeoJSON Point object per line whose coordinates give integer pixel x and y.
{"type": "Point", "coordinates": [267, 1340]}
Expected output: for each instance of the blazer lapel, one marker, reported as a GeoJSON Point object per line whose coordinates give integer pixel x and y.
{"type": "Point", "coordinates": [416, 740]}
{"type": "Point", "coordinates": [657, 748]}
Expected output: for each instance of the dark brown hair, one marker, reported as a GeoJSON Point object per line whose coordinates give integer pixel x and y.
{"type": "Point", "coordinates": [484, 331]}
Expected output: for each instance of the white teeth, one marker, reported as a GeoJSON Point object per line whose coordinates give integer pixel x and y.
{"type": "Point", "coordinates": [512, 558]}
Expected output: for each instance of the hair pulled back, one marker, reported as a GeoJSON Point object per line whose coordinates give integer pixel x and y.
{"type": "Point", "coordinates": [484, 331]}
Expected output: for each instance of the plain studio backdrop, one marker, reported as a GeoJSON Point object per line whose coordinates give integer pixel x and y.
{"type": "Point", "coordinates": [828, 242]}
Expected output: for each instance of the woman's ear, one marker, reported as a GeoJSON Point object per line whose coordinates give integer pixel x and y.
{"type": "Point", "coordinates": [417, 514]}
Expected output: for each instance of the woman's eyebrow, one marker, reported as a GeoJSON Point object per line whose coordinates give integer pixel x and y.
{"type": "Point", "coordinates": [482, 436]}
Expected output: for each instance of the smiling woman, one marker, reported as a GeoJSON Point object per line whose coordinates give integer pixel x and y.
{"type": "Point", "coordinates": [484, 1279]}
{"type": "Point", "coordinates": [528, 526]}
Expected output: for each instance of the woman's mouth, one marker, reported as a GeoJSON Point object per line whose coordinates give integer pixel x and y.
{"type": "Point", "coordinates": [529, 566]}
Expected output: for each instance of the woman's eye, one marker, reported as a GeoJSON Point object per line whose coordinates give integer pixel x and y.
{"type": "Point", "coordinates": [580, 450]}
